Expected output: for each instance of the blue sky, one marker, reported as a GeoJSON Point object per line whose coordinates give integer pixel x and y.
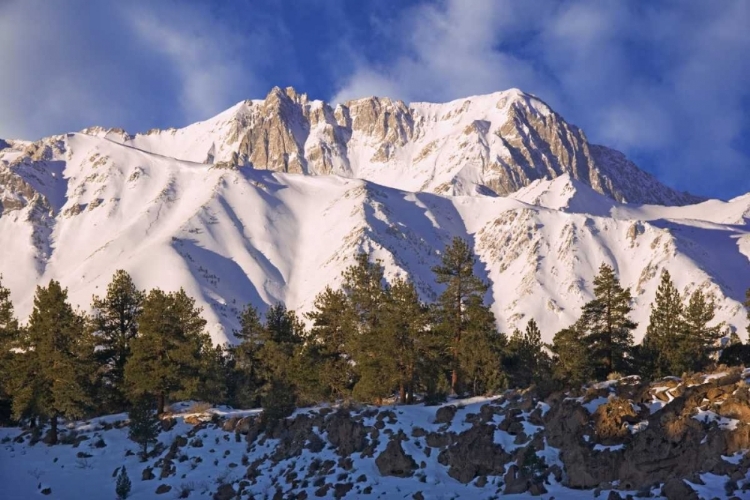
{"type": "Point", "coordinates": [666, 82]}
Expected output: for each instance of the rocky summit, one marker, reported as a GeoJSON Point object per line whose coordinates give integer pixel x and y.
{"type": "Point", "coordinates": [490, 144]}
{"type": "Point", "coordinates": [673, 438]}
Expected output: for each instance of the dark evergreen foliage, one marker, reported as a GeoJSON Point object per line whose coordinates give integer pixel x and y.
{"type": "Point", "coordinates": [114, 321]}
{"type": "Point", "coordinates": [123, 484]}
{"type": "Point", "coordinates": [465, 323]}
{"type": "Point", "coordinates": [662, 334]}
{"type": "Point", "coordinates": [333, 325]}
{"type": "Point", "coordinates": [526, 360]}
{"type": "Point", "coordinates": [144, 426]}
{"type": "Point", "coordinates": [53, 375]}
{"type": "Point", "coordinates": [369, 340]}
{"type": "Point", "coordinates": [9, 337]}
{"type": "Point", "coordinates": [166, 357]}
{"type": "Point", "coordinates": [606, 325]}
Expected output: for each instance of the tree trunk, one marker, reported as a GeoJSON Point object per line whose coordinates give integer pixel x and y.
{"type": "Point", "coordinates": [160, 404]}
{"type": "Point", "coordinates": [53, 430]}
{"type": "Point", "coordinates": [402, 393]}
{"type": "Point", "coordinates": [454, 381]}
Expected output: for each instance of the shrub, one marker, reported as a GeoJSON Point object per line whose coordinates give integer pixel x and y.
{"type": "Point", "coordinates": [122, 487]}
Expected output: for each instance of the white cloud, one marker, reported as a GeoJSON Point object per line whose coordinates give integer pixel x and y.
{"type": "Point", "coordinates": [448, 51]}
{"type": "Point", "coordinates": [69, 65]}
{"type": "Point", "coordinates": [209, 60]}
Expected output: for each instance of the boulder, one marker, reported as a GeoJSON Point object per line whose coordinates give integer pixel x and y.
{"type": "Point", "coordinates": [393, 461]}
{"type": "Point", "coordinates": [445, 414]}
{"type": "Point", "coordinates": [610, 421]}
{"type": "Point", "coordinates": [677, 489]}
{"type": "Point", "coordinates": [225, 492]}
{"type": "Point", "coordinates": [474, 453]}
{"type": "Point", "coordinates": [163, 488]}
{"type": "Point", "coordinates": [346, 434]}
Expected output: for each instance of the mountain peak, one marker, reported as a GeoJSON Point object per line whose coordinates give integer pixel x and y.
{"type": "Point", "coordinates": [496, 144]}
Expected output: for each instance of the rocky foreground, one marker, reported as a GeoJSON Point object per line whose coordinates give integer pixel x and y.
{"type": "Point", "coordinates": [674, 439]}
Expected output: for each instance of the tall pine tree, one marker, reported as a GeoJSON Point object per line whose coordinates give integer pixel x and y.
{"type": "Point", "coordinates": [165, 360]}
{"type": "Point", "coordinates": [54, 374]}
{"type": "Point", "coordinates": [407, 337]}
{"type": "Point", "coordinates": [607, 326]}
{"type": "Point", "coordinates": [333, 326]}
{"type": "Point", "coordinates": [9, 336]}
{"type": "Point", "coordinates": [462, 318]}
{"type": "Point", "coordinates": [664, 329]}
{"type": "Point", "coordinates": [367, 293]}
{"type": "Point", "coordinates": [245, 369]}
{"type": "Point", "coordinates": [698, 341]}
{"type": "Point", "coordinates": [114, 321]}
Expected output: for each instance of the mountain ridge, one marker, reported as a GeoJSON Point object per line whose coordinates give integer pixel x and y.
{"type": "Point", "coordinates": [497, 143]}
{"type": "Point", "coordinates": [78, 206]}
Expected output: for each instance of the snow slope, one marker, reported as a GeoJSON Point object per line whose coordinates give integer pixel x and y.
{"type": "Point", "coordinates": [78, 207]}
{"type": "Point", "coordinates": [88, 471]}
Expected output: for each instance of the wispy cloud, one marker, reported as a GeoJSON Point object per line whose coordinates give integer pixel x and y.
{"type": "Point", "coordinates": [68, 65]}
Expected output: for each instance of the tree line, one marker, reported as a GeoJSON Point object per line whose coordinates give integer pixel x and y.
{"type": "Point", "coordinates": [368, 340]}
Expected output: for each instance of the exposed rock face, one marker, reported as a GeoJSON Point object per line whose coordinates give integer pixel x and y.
{"type": "Point", "coordinates": [474, 453]}
{"type": "Point", "coordinates": [394, 461]}
{"type": "Point", "coordinates": [495, 143]}
{"type": "Point", "coordinates": [445, 414]}
{"type": "Point", "coordinates": [676, 489]}
{"type": "Point", "coordinates": [347, 435]}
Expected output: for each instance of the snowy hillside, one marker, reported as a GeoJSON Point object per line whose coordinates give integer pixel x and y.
{"type": "Point", "coordinates": [674, 439]}
{"type": "Point", "coordinates": [78, 207]}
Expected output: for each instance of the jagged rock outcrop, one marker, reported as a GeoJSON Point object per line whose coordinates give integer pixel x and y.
{"type": "Point", "coordinates": [490, 144]}
{"type": "Point", "coordinates": [474, 453]}
{"type": "Point", "coordinates": [393, 461]}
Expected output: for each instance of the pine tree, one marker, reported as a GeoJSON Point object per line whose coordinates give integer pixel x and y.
{"type": "Point", "coordinates": [144, 424]}
{"type": "Point", "coordinates": [9, 336]}
{"type": "Point", "coordinates": [243, 359]}
{"type": "Point", "coordinates": [53, 375]}
{"type": "Point", "coordinates": [408, 337]}
{"type": "Point", "coordinates": [278, 403]}
{"type": "Point", "coordinates": [333, 326]}
{"type": "Point", "coordinates": [269, 351]}
{"type": "Point", "coordinates": [214, 373]}
{"type": "Point", "coordinates": [115, 323]}
{"type": "Point", "coordinates": [571, 365]}
{"type": "Point", "coordinates": [607, 325]}
{"type": "Point", "coordinates": [165, 357]}
{"type": "Point", "coordinates": [123, 485]}
{"type": "Point", "coordinates": [282, 342]}
{"type": "Point", "coordinates": [662, 334]}
{"type": "Point", "coordinates": [364, 285]}
{"type": "Point", "coordinates": [366, 292]}
{"type": "Point", "coordinates": [461, 317]}
{"type": "Point", "coordinates": [698, 342]}
{"type": "Point", "coordinates": [526, 358]}
{"type": "Point", "coordinates": [481, 350]}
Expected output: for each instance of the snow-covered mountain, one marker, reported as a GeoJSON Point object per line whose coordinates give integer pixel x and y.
{"type": "Point", "coordinates": [487, 144]}
{"type": "Point", "coordinates": [221, 208]}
